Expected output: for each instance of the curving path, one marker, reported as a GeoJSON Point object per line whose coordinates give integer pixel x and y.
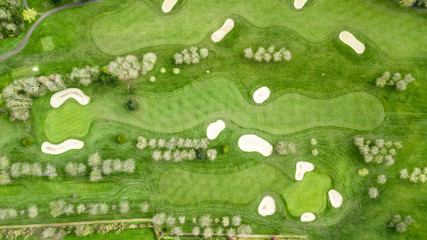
{"type": "Point", "coordinates": [43, 16]}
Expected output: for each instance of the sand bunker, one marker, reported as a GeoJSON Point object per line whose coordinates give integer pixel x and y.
{"type": "Point", "coordinates": [67, 145]}
{"type": "Point", "coordinates": [267, 207]}
{"type": "Point", "coordinates": [352, 41]}
{"type": "Point", "coordinates": [336, 198]}
{"type": "Point", "coordinates": [302, 168]}
{"type": "Point", "coordinates": [168, 5]}
{"type": "Point", "coordinates": [220, 33]}
{"type": "Point", "coordinates": [214, 129]}
{"type": "Point", "coordinates": [308, 217]}
{"type": "Point", "coordinates": [261, 94]}
{"type": "Point", "coordinates": [253, 143]}
{"type": "Point", "coordinates": [60, 97]}
{"type": "Point", "coordinates": [298, 4]}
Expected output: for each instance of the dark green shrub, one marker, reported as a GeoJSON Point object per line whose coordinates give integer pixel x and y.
{"type": "Point", "coordinates": [121, 138]}
{"type": "Point", "coordinates": [27, 142]}
{"type": "Point", "coordinates": [201, 154]}
{"type": "Point", "coordinates": [132, 104]}
{"type": "Point", "coordinates": [105, 78]}
{"type": "Point", "coordinates": [133, 88]}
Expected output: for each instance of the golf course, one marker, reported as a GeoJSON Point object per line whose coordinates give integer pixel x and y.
{"type": "Point", "coordinates": [204, 119]}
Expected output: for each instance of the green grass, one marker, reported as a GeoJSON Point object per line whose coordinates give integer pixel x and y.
{"type": "Point", "coordinates": [111, 36]}
{"type": "Point", "coordinates": [322, 69]}
{"type": "Point", "coordinates": [137, 234]}
{"type": "Point", "coordinates": [71, 120]}
{"type": "Point", "coordinates": [184, 187]}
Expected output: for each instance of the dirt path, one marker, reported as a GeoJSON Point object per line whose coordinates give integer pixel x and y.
{"type": "Point", "coordinates": [43, 16]}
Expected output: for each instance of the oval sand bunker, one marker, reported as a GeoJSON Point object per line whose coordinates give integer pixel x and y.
{"type": "Point", "coordinates": [168, 5]}
{"type": "Point", "coordinates": [335, 198]}
{"type": "Point", "coordinates": [298, 4]}
{"type": "Point", "coordinates": [261, 94]}
{"type": "Point", "coordinates": [267, 206]}
{"type": "Point", "coordinates": [214, 129]}
{"type": "Point", "coordinates": [220, 33]}
{"type": "Point", "coordinates": [352, 41]}
{"type": "Point", "coordinates": [67, 145]}
{"type": "Point", "coordinates": [308, 217]}
{"type": "Point", "coordinates": [60, 97]}
{"type": "Point", "coordinates": [302, 168]}
{"type": "Point", "coordinates": [253, 143]}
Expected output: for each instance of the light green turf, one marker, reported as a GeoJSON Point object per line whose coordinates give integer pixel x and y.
{"type": "Point", "coordinates": [184, 187]}
{"type": "Point", "coordinates": [220, 98]}
{"type": "Point", "coordinates": [307, 195]}
{"type": "Point", "coordinates": [134, 234]}
{"type": "Point", "coordinates": [47, 43]}
{"type": "Point", "coordinates": [71, 120]}
{"type": "Point", "coordinates": [125, 30]}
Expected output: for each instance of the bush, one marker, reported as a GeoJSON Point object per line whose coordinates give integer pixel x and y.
{"type": "Point", "coordinates": [200, 154]}
{"type": "Point", "coordinates": [132, 104]}
{"type": "Point", "coordinates": [121, 138]}
{"type": "Point", "coordinates": [27, 142]}
{"type": "Point", "coordinates": [225, 148]}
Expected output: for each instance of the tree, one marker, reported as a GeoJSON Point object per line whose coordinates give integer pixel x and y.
{"type": "Point", "coordinates": [401, 85]}
{"type": "Point", "coordinates": [195, 231]}
{"type": "Point", "coordinates": [231, 232]}
{"type": "Point", "coordinates": [33, 211]}
{"type": "Point", "coordinates": [71, 169]}
{"type": "Point", "coordinates": [94, 160]}
{"type": "Point", "coordinates": [128, 166]}
{"type": "Point", "coordinates": [408, 220]}
{"type": "Point", "coordinates": [407, 3]}
{"type": "Point", "coordinates": [4, 163]}
{"type": "Point", "coordinates": [57, 208]}
{"type": "Point", "coordinates": [315, 152]}
{"type": "Point", "coordinates": [121, 138]}
{"type": "Point", "coordinates": [159, 219]}
{"type": "Point", "coordinates": [170, 221]}
{"type": "Point", "coordinates": [125, 67]}
{"type": "Point", "coordinates": [145, 207]}
{"type": "Point", "coordinates": [204, 53]}
{"type": "Point", "coordinates": [27, 142]}
{"type": "Point", "coordinates": [157, 155]}
{"type": "Point", "coordinates": [132, 104]}
{"type": "Point", "coordinates": [236, 221]}
{"type": "Point", "coordinates": [249, 53]}
{"type": "Point", "coordinates": [95, 175]}
{"type": "Point", "coordinates": [244, 230]}
{"type": "Point", "coordinates": [148, 61]}
{"type": "Point", "coordinates": [178, 57]}
{"type": "Point", "coordinates": [404, 174]}
{"type": "Point", "coordinates": [205, 221]}
{"type": "Point", "coordinates": [211, 154]}
{"type": "Point", "coordinates": [141, 143]}
{"type": "Point", "coordinates": [373, 192]}
{"type": "Point", "coordinates": [381, 179]}
{"type": "Point", "coordinates": [81, 208]}
{"type": "Point", "coordinates": [4, 178]}
{"type": "Point", "coordinates": [208, 232]}
{"type": "Point", "coordinates": [401, 227]}
{"type": "Point", "coordinates": [50, 171]}
{"type": "Point", "coordinates": [48, 233]}
{"type": "Point", "coordinates": [124, 207]}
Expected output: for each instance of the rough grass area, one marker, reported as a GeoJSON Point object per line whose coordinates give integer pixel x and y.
{"type": "Point", "coordinates": [135, 234]}
{"type": "Point", "coordinates": [71, 120]}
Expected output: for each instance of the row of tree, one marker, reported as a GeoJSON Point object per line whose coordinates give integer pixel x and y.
{"type": "Point", "coordinates": [399, 224]}
{"type": "Point", "coordinates": [172, 143]}
{"type": "Point", "coordinates": [185, 154]}
{"type": "Point", "coordinates": [416, 176]}
{"type": "Point", "coordinates": [269, 54]}
{"type": "Point", "coordinates": [23, 169]}
{"type": "Point", "coordinates": [19, 95]}
{"type": "Point", "coordinates": [129, 67]}
{"type": "Point", "coordinates": [377, 151]}
{"type": "Point", "coordinates": [190, 56]}
{"type": "Point", "coordinates": [107, 167]}
{"type": "Point", "coordinates": [11, 19]}
{"type": "Point", "coordinates": [11, 213]}
{"type": "Point", "coordinates": [397, 80]}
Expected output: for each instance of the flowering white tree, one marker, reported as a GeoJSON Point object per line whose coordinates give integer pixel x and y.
{"type": "Point", "coordinates": [205, 221]}
{"type": "Point", "coordinates": [404, 174]}
{"type": "Point", "coordinates": [211, 154]}
{"type": "Point", "coordinates": [145, 207]}
{"type": "Point", "coordinates": [94, 160]}
{"type": "Point", "coordinates": [148, 61]}
{"type": "Point", "coordinates": [125, 67]}
{"type": "Point", "coordinates": [381, 179]}
{"type": "Point", "coordinates": [159, 219]}
{"type": "Point", "coordinates": [141, 143]}
{"type": "Point", "coordinates": [373, 192]}
{"type": "Point", "coordinates": [207, 232]}
{"type": "Point", "coordinates": [236, 220]}
{"type": "Point", "coordinates": [249, 53]}
{"type": "Point", "coordinates": [33, 211]}
{"type": "Point", "coordinates": [84, 75]}
{"type": "Point", "coordinates": [124, 207]}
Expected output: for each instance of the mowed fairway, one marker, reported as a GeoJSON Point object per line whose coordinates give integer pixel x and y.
{"type": "Point", "coordinates": [220, 98]}
{"type": "Point", "coordinates": [124, 31]}
{"type": "Point", "coordinates": [71, 120]}
{"type": "Point", "coordinates": [185, 187]}
{"type": "Point", "coordinates": [308, 195]}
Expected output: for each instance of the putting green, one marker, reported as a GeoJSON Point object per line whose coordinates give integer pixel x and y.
{"type": "Point", "coordinates": [306, 196]}
{"type": "Point", "coordinates": [71, 120]}
{"type": "Point", "coordinates": [124, 31]}
{"type": "Point", "coordinates": [218, 98]}
{"type": "Point", "coordinates": [184, 187]}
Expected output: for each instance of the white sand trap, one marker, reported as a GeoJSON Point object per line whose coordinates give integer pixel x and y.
{"type": "Point", "coordinates": [352, 41]}
{"type": "Point", "coordinates": [308, 217]}
{"type": "Point", "coordinates": [214, 129]}
{"type": "Point", "coordinates": [60, 97]}
{"type": "Point", "coordinates": [253, 143]}
{"type": "Point", "coordinates": [302, 168]}
{"type": "Point", "coordinates": [336, 198]}
{"type": "Point", "coordinates": [298, 4]}
{"type": "Point", "coordinates": [67, 145]}
{"type": "Point", "coordinates": [267, 206]}
{"type": "Point", "coordinates": [261, 94]}
{"type": "Point", "coordinates": [220, 33]}
{"type": "Point", "coordinates": [168, 5]}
